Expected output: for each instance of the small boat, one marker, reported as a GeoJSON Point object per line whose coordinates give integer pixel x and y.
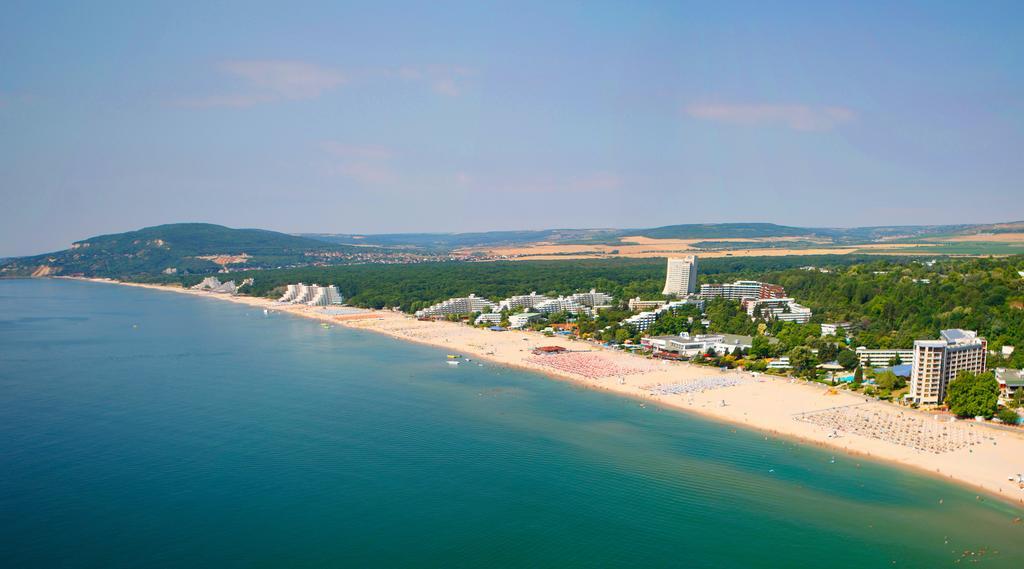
{"type": "Point", "coordinates": [265, 312]}
{"type": "Point", "coordinates": [324, 325]}
{"type": "Point", "coordinates": [453, 362]}
{"type": "Point", "coordinates": [454, 356]}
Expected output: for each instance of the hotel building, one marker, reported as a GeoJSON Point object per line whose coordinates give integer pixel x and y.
{"type": "Point", "coordinates": [522, 319]}
{"type": "Point", "coordinates": [937, 362]}
{"type": "Point", "coordinates": [643, 320]}
{"type": "Point", "coordinates": [460, 305]}
{"type": "Point", "coordinates": [488, 318]}
{"type": "Point", "coordinates": [681, 276]}
{"type": "Point", "coordinates": [581, 302]}
{"type": "Point", "coordinates": [325, 296]}
{"type": "Point", "coordinates": [689, 346]}
{"type": "Point", "coordinates": [213, 284]}
{"type": "Point", "coordinates": [311, 295]}
{"type": "Point", "coordinates": [521, 301]}
{"type": "Point", "coordinates": [832, 329]}
{"type": "Point", "coordinates": [742, 290]}
{"type": "Point", "coordinates": [637, 304]}
{"type": "Point", "coordinates": [784, 309]}
{"type": "Point", "coordinates": [881, 358]}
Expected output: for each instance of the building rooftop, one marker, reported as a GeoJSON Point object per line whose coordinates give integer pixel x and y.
{"type": "Point", "coordinates": [1010, 377]}
{"type": "Point", "coordinates": [957, 336]}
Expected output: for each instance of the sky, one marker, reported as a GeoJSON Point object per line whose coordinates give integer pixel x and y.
{"type": "Point", "coordinates": [382, 117]}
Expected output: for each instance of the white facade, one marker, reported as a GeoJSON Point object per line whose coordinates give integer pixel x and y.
{"type": "Point", "coordinates": [488, 318]}
{"type": "Point", "coordinates": [523, 319]}
{"type": "Point", "coordinates": [292, 292]}
{"type": "Point", "coordinates": [561, 304]}
{"type": "Point", "coordinates": [784, 309]}
{"type": "Point", "coordinates": [681, 276]}
{"type": "Point", "coordinates": [592, 298]}
{"type": "Point", "coordinates": [641, 321]}
{"type": "Point", "coordinates": [460, 305]}
{"type": "Point", "coordinates": [312, 295]}
{"type": "Point", "coordinates": [687, 345]}
{"type": "Point", "coordinates": [580, 302]}
{"type": "Point", "coordinates": [521, 301]}
{"type": "Point", "coordinates": [324, 296]}
{"type": "Point", "coordinates": [213, 284]}
{"type": "Point", "coordinates": [644, 320]}
{"type": "Point", "coordinates": [637, 304]}
{"type": "Point", "coordinates": [881, 358]}
{"type": "Point", "coordinates": [209, 283]}
{"type": "Point", "coordinates": [834, 328]}
{"type": "Point", "coordinates": [742, 290]}
{"type": "Point", "coordinates": [937, 362]}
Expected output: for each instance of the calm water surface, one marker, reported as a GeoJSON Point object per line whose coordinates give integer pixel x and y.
{"type": "Point", "coordinates": [148, 429]}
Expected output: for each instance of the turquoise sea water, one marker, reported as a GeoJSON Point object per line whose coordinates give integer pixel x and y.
{"type": "Point", "coordinates": [148, 429]}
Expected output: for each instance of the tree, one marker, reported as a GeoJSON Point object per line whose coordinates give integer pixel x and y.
{"type": "Point", "coordinates": [848, 359]}
{"type": "Point", "coordinates": [828, 352]}
{"type": "Point", "coordinates": [858, 377]}
{"type": "Point", "coordinates": [621, 335]}
{"type": "Point", "coordinates": [973, 395]}
{"type": "Point", "coordinates": [889, 381]}
{"type": "Point", "coordinates": [895, 361]}
{"type": "Point", "coordinates": [801, 360]}
{"type": "Point", "coordinates": [760, 347]}
{"type": "Point", "coordinates": [1008, 416]}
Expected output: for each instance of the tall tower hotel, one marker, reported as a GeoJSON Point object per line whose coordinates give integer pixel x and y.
{"type": "Point", "coordinates": [681, 277]}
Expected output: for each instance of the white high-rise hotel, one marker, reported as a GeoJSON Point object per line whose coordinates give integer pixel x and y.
{"type": "Point", "coordinates": [937, 362]}
{"type": "Point", "coordinates": [681, 277]}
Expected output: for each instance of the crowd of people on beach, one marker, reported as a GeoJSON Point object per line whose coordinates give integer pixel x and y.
{"type": "Point", "coordinates": [588, 364]}
{"type": "Point", "coordinates": [905, 429]}
{"type": "Point", "coordinates": [698, 386]}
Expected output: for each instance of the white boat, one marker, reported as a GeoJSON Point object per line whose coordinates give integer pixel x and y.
{"type": "Point", "coordinates": [453, 363]}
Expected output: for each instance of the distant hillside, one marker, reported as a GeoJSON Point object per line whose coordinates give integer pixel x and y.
{"type": "Point", "coordinates": [816, 236]}
{"type": "Point", "coordinates": [723, 231]}
{"type": "Point", "coordinates": [449, 241]}
{"type": "Point", "coordinates": [201, 248]}
{"type": "Point", "coordinates": [181, 247]}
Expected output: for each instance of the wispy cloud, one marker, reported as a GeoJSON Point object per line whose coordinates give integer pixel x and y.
{"type": "Point", "coordinates": [796, 117]}
{"type": "Point", "coordinates": [446, 80]}
{"type": "Point", "coordinates": [267, 81]}
{"type": "Point", "coordinates": [287, 79]}
{"type": "Point", "coordinates": [369, 165]}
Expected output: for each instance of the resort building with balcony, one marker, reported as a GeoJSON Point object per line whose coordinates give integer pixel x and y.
{"type": "Point", "coordinates": [937, 362]}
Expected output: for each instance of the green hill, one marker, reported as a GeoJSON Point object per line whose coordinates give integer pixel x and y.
{"type": "Point", "coordinates": [184, 248]}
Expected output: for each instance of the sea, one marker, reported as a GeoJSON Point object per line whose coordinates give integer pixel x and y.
{"type": "Point", "coordinates": [142, 428]}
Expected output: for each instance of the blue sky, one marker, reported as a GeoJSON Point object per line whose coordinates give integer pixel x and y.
{"type": "Point", "coordinates": [387, 117]}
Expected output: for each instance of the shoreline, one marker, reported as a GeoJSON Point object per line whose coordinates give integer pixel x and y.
{"type": "Point", "coordinates": [767, 404]}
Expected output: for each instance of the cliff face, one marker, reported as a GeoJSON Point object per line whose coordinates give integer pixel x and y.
{"type": "Point", "coordinates": [44, 271]}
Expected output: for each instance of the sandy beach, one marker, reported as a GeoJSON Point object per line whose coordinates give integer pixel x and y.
{"type": "Point", "coordinates": [979, 456]}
